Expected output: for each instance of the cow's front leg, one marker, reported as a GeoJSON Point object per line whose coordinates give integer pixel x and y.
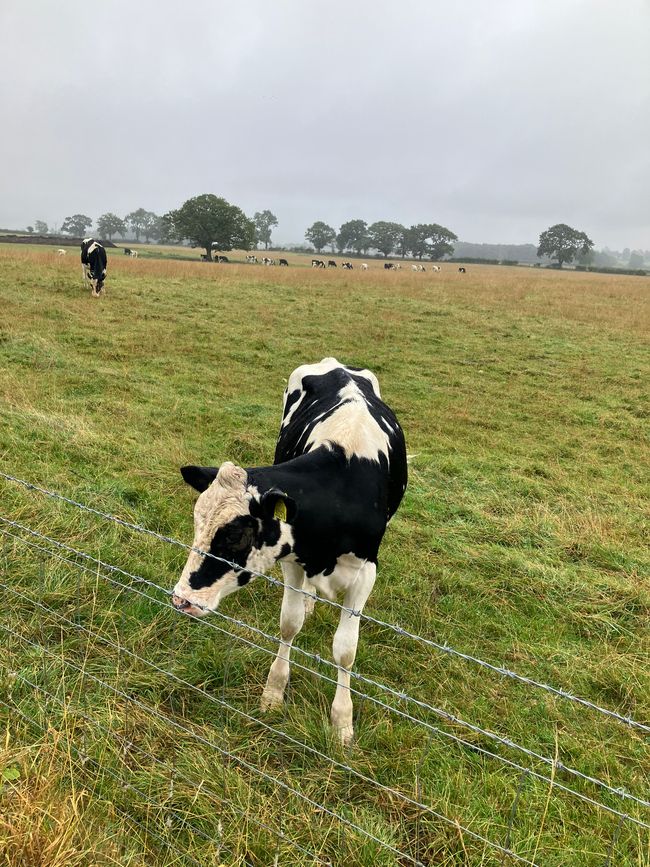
{"type": "Point", "coordinates": [345, 649]}
{"type": "Point", "coordinates": [292, 616]}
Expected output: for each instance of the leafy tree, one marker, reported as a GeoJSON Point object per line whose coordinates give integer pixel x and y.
{"type": "Point", "coordinates": [137, 220]}
{"type": "Point", "coordinates": [30, 229]}
{"type": "Point", "coordinates": [353, 235]}
{"type": "Point", "coordinates": [41, 227]}
{"type": "Point", "coordinates": [563, 243]}
{"type": "Point", "coordinates": [150, 225]}
{"type": "Point", "coordinates": [320, 235]}
{"type": "Point", "coordinates": [164, 231]}
{"type": "Point", "coordinates": [430, 239]}
{"type": "Point", "coordinates": [109, 225]}
{"type": "Point", "coordinates": [264, 222]}
{"type": "Point", "coordinates": [404, 241]}
{"type": "Point", "coordinates": [210, 221]}
{"type": "Point", "coordinates": [636, 259]}
{"type": "Point", "coordinates": [384, 236]}
{"type": "Point", "coordinates": [76, 225]}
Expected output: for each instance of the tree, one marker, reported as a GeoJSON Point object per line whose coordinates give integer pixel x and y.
{"type": "Point", "coordinates": [353, 235]}
{"type": "Point", "coordinates": [430, 239]}
{"type": "Point", "coordinates": [384, 236]}
{"type": "Point", "coordinates": [137, 220]}
{"type": "Point", "coordinates": [563, 243]}
{"type": "Point", "coordinates": [320, 235]}
{"type": "Point", "coordinates": [109, 225]}
{"type": "Point", "coordinates": [404, 241]}
{"type": "Point", "coordinates": [30, 229]}
{"type": "Point", "coordinates": [41, 227]}
{"type": "Point", "coordinates": [264, 222]}
{"type": "Point", "coordinates": [636, 259]}
{"type": "Point", "coordinates": [210, 221]}
{"type": "Point", "coordinates": [76, 225]}
{"type": "Point", "coordinates": [165, 232]}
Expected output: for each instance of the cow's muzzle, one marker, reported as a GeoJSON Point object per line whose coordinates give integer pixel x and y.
{"type": "Point", "coordinates": [186, 607]}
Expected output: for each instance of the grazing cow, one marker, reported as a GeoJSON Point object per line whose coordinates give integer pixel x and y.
{"type": "Point", "coordinates": [283, 262]}
{"type": "Point", "coordinates": [128, 251]}
{"type": "Point", "coordinates": [93, 264]}
{"type": "Point", "coordinates": [347, 265]}
{"type": "Point", "coordinates": [364, 267]}
{"type": "Point", "coordinates": [462, 270]}
{"type": "Point", "coordinates": [252, 260]}
{"type": "Point", "coordinates": [321, 509]}
{"type": "Point", "coordinates": [61, 252]}
{"type": "Point", "coordinates": [317, 263]}
{"type": "Point", "coordinates": [134, 254]}
{"type": "Point", "coordinates": [331, 263]}
{"type": "Point", "coordinates": [389, 266]}
{"type": "Point", "coordinates": [267, 261]}
{"type": "Point", "coordinates": [435, 267]}
{"type": "Point", "coordinates": [221, 259]}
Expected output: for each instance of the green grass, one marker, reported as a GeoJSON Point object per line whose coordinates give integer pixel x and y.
{"type": "Point", "coordinates": [522, 540]}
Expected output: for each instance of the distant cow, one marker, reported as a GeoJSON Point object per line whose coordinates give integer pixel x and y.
{"type": "Point", "coordinates": [364, 267]}
{"type": "Point", "coordinates": [389, 266]}
{"type": "Point", "coordinates": [435, 267]}
{"type": "Point", "coordinates": [331, 263]}
{"type": "Point", "coordinates": [283, 262]}
{"type": "Point", "coordinates": [128, 251]}
{"type": "Point", "coordinates": [347, 265]}
{"type": "Point", "coordinates": [417, 268]}
{"type": "Point", "coordinates": [252, 260]}
{"type": "Point", "coordinates": [61, 252]}
{"type": "Point", "coordinates": [462, 270]}
{"type": "Point", "coordinates": [93, 264]}
{"type": "Point", "coordinates": [221, 259]}
{"type": "Point", "coordinates": [321, 510]}
{"type": "Point", "coordinates": [317, 263]}
{"type": "Point", "coordinates": [134, 254]}
{"type": "Point", "coordinates": [267, 261]}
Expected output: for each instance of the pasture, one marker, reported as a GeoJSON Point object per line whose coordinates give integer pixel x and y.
{"type": "Point", "coordinates": [522, 540]}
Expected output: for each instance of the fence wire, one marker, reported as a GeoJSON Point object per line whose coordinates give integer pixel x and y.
{"type": "Point", "coordinates": [280, 735]}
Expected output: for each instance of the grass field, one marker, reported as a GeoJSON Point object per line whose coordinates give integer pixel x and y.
{"type": "Point", "coordinates": [523, 540]}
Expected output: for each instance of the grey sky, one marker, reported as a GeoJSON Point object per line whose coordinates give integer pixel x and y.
{"type": "Point", "coordinates": [494, 118]}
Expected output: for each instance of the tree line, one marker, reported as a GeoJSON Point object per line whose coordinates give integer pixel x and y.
{"type": "Point", "coordinates": [211, 222]}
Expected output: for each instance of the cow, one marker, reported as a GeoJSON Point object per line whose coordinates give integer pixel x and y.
{"type": "Point", "coordinates": [252, 260]}
{"type": "Point", "coordinates": [389, 266]}
{"type": "Point", "coordinates": [317, 263]}
{"type": "Point", "coordinates": [222, 259]}
{"type": "Point", "coordinates": [417, 268]}
{"type": "Point", "coordinates": [364, 267]}
{"type": "Point", "coordinates": [283, 262]}
{"type": "Point", "coordinates": [347, 265]}
{"type": "Point", "coordinates": [267, 261]}
{"type": "Point", "coordinates": [93, 264]}
{"type": "Point", "coordinates": [321, 510]}
{"type": "Point", "coordinates": [128, 251]}
{"type": "Point", "coordinates": [435, 268]}
{"type": "Point", "coordinates": [61, 252]}
{"type": "Point", "coordinates": [331, 263]}
{"type": "Point", "coordinates": [462, 270]}
{"type": "Point", "coordinates": [134, 254]}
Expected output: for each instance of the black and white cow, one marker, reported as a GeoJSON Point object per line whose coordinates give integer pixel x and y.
{"type": "Point", "coordinates": [347, 265]}
{"type": "Point", "coordinates": [331, 263]}
{"type": "Point", "coordinates": [462, 270]}
{"type": "Point", "coordinates": [222, 259]}
{"type": "Point", "coordinates": [389, 266]}
{"type": "Point", "coordinates": [321, 509]}
{"type": "Point", "coordinates": [93, 264]}
{"type": "Point", "coordinates": [128, 251]}
{"type": "Point", "coordinates": [317, 263]}
{"type": "Point", "coordinates": [251, 260]}
{"type": "Point", "coordinates": [283, 262]}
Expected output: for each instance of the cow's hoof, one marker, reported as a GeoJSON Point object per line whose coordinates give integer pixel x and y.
{"type": "Point", "coordinates": [345, 735]}
{"type": "Point", "coordinates": [272, 699]}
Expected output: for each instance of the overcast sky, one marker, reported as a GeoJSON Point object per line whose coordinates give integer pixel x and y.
{"type": "Point", "coordinates": [496, 118]}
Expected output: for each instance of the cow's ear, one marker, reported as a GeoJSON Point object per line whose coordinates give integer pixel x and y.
{"type": "Point", "coordinates": [274, 504]}
{"type": "Point", "coordinates": [199, 478]}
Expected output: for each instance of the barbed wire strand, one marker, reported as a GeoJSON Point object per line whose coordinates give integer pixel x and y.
{"type": "Point", "coordinates": [268, 777]}
{"type": "Point", "coordinates": [558, 765]}
{"type": "Point", "coordinates": [444, 648]}
{"type": "Point", "coordinates": [284, 735]}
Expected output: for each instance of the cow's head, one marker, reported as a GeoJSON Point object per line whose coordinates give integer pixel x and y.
{"type": "Point", "coordinates": [232, 521]}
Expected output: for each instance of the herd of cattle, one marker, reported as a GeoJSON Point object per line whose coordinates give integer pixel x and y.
{"type": "Point", "coordinates": [93, 263]}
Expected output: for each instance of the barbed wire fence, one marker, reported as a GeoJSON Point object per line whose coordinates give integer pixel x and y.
{"type": "Point", "coordinates": [190, 774]}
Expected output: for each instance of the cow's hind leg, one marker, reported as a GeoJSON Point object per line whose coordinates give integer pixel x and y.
{"type": "Point", "coordinates": [345, 649]}
{"type": "Point", "coordinates": [292, 616]}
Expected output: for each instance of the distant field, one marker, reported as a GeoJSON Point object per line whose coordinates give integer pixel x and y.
{"type": "Point", "coordinates": [523, 540]}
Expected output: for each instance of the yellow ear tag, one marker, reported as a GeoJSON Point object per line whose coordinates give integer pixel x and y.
{"type": "Point", "coordinates": [280, 510]}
